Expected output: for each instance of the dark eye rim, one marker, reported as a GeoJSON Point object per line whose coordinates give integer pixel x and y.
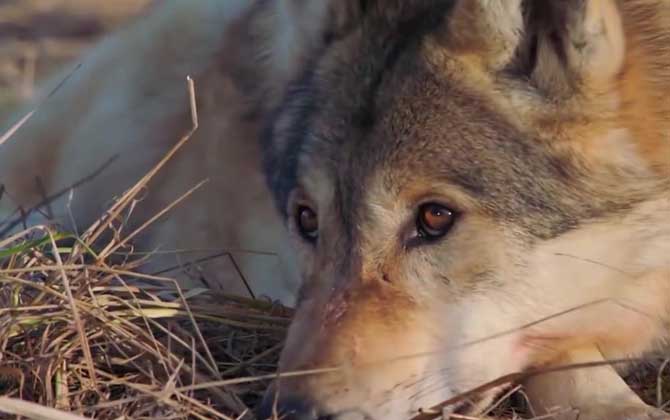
{"type": "Point", "coordinates": [428, 234]}
{"type": "Point", "coordinates": [309, 236]}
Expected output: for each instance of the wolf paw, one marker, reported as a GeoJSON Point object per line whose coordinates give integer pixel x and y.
{"type": "Point", "coordinates": [621, 413]}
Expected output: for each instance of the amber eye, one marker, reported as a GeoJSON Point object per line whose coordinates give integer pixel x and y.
{"type": "Point", "coordinates": [308, 223]}
{"type": "Point", "coordinates": [434, 220]}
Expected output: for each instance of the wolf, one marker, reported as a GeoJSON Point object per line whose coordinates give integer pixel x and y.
{"type": "Point", "coordinates": [468, 188]}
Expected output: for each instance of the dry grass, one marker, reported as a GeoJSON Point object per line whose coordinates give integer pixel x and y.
{"type": "Point", "coordinates": [76, 335]}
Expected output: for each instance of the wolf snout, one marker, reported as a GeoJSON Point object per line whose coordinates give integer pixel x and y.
{"type": "Point", "coordinates": [290, 409]}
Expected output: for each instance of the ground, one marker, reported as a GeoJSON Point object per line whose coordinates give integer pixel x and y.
{"type": "Point", "coordinates": [39, 36]}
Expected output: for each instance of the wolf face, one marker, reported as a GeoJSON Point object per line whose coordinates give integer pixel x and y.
{"type": "Point", "coordinates": [473, 188]}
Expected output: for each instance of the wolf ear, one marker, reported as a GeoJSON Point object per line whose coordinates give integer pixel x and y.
{"type": "Point", "coordinates": [487, 30]}
{"type": "Point", "coordinates": [556, 43]}
{"type": "Point", "coordinates": [577, 41]}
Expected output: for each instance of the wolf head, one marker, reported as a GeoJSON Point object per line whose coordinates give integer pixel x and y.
{"type": "Point", "coordinates": [453, 172]}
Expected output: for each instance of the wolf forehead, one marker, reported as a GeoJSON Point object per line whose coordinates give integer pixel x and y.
{"type": "Point", "coordinates": [380, 28]}
{"type": "Point", "coordinates": [373, 105]}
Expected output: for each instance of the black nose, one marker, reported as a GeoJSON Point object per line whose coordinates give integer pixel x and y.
{"type": "Point", "coordinates": [290, 409]}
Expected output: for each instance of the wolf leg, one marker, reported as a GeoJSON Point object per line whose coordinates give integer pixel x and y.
{"type": "Point", "coordinates": [596, 393]}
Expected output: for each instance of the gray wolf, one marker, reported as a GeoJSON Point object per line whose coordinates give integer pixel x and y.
{"type": "Point", "coordinates": [468, 188]}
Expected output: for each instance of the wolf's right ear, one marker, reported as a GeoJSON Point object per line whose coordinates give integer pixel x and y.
{"type": "Point", "coordinates": [579, 44]}
{"type": "Point", "coordinates": [559, 45]}
{"type": "Point", "coordinates": [489, 31]}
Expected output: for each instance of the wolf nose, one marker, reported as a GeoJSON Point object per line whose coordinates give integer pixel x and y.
{"type": "Point", "coordinates": [290, 409]}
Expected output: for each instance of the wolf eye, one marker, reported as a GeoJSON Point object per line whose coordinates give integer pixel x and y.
{"type": "Point", "coordinates": [308, 223]}
{"type": "Point", "coordinates": [434, 220]}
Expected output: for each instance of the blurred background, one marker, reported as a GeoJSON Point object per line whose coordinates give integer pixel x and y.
{"type": "Point", "coordinates": [38, 37]}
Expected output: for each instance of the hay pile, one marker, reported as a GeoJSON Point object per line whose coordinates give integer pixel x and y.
{"type": "Point", "coordinates": [75, 334]}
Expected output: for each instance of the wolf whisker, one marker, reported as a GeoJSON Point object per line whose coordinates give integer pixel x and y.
{"type": "Point", "coordinates": [598, 263]}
